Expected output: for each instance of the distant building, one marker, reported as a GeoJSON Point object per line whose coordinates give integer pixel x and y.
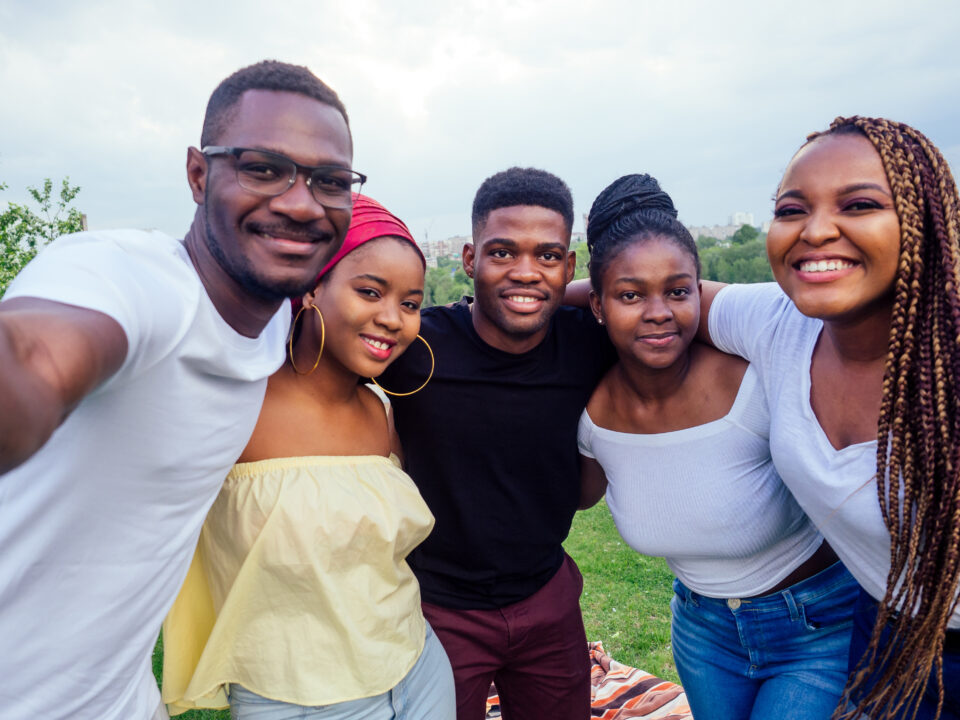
{"type": "Point", "coordinates": [724, 232]}
{"type": "Point", "coordinates": [720, 232]}
{"type": "Point", "coordinates": [451, 248]}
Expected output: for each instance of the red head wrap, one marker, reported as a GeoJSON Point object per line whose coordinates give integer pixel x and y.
{"type": "Point", "coordinates": [370, 221]}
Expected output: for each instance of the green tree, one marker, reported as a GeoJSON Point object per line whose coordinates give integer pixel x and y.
{"type": "Point", "coordinates": [745, 234]}
{"type": "Point", "coordinates": [583, 260]}
{"type": "Point", "coordinates": [446, 284]}
{"type": "Point", "coordinates": [743, 263]}
{"type": "Point", "coordinates": [23, 232]}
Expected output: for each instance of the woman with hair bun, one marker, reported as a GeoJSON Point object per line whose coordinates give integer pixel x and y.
{"type": "Point", "coordinates": [677, 435]}
{"type": "Point", "coordinates": [859, 352]}
{"type": "Point", "coordinates": [300, 603]}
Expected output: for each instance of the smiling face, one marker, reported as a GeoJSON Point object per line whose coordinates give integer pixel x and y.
{"type": "Point", "coordinates": [271, 247]}
{"type": "Point", "coordinates": [834, 243]}
{"type": "Point", "coordinates": [520, 264]}
{"type": "Point", "coordinates": [370, 302]}
{"type": "Point", "coordinates": [650, 301]}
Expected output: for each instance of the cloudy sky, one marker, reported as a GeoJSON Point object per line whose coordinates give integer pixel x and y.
{"type": "Point", "coordinates": [710, 97]}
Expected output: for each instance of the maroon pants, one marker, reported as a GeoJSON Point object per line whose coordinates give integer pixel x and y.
{"type": "Point", "coordinates": [534, 650]}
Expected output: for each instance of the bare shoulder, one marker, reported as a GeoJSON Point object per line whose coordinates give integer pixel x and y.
{"type": "Point", "coordinates": [601, 405]}
{"type": "Point", "coordinates": [720, 369]}
{"type": "Point", "coordinates": [374, 404]}
{"type": "Point", "coordinates": [283, 416]}
{"type": "Point", "coordinates": [377, 425]}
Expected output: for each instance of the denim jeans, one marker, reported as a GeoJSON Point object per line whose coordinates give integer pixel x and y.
{"type": "Point", "coordinates": [782, 655]}
{"type": "Point", "coordinates": [425, 693]}
{"type": "Point", "coordinates": [865, 616]}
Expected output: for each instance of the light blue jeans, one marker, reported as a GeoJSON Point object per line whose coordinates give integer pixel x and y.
{"type": "Point", "coordinates": [425, 693]}
{"type": "Point", "coordinates": [782, 655]}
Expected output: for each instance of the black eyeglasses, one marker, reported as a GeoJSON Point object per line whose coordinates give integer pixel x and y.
{"type": "Point", "coordinates": [269, 173]}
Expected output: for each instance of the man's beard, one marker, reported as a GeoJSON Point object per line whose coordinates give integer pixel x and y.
{"type": "Point", "coordinates": [241, 271]}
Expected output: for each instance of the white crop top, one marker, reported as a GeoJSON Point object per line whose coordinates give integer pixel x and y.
{"type": "Point", "coordinates": [706, 498]}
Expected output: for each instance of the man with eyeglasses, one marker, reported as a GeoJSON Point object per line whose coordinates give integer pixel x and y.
{"type": "Point", "coordinates": [132, 369]}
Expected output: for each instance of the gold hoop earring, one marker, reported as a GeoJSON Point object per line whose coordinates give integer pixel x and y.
{"type": "Point", "coordinates": [323, 337]}
{"type": "Point", "coordinates": [433, 364]}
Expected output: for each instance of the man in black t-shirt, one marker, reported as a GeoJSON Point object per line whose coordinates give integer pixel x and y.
{"type": "Point", "coordinates": [491, 443]}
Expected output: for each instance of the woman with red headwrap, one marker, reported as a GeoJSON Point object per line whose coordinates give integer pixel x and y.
{"type": "Point", "coordinates": [299, 602]}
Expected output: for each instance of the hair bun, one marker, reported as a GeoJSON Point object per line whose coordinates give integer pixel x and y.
{"type": "Point", "coordinates": [628, 194]}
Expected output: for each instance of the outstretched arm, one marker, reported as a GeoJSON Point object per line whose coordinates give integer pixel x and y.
{"type": "Point", "coordinates": [593, 482]}
{"type": "Point", "coordinates": [577, 293]}
{"type": "Point", "coordinates": [51, 355]}
{"type": "Point", "coordinates": [708, 291]}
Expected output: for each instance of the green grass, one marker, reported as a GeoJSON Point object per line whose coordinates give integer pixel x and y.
{"type": "Point", "coordinates": [626, 600]}
{"type": "Point", "coordinates": [626, 596]}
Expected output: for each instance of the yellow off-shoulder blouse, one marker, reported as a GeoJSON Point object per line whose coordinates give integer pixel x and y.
{"type": "Point", "coordinates": [299, 589]}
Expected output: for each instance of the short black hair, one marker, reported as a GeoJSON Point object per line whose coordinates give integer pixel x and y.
{"type": "Point", "coordinates": [522, 186]}
{"type": "Point", "coordinates": [631, 209]}
{"type": "Point", "coordinates": [264, 75]}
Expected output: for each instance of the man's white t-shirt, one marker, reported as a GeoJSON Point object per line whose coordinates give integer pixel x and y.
{"type": "Point", "coordinates": [837, 489]}
{"type": "Point", "coordinates": [98, 527]}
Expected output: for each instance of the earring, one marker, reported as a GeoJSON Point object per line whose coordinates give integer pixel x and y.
{"type": "Point", "coordinates": [599, 321]}
{"type": "Point", "coordinates": [323, 337]}
{"type": "Point", "coordinates": [433, 364]}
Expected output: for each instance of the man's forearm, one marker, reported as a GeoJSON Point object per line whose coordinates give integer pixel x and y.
{"type": "Point", "coordinates": [51, 356]}
{"type": "Point", "coordinates": [29, 411]}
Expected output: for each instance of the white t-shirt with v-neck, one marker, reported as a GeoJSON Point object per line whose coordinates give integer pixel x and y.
{"type": "Point", "coordinates": [836, 488]}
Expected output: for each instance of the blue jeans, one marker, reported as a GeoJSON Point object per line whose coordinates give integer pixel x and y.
{"type": "Point", "coordinates": [865, 616]}
{"type": "Point", "coordinates": [425, 693]}
{"type": "Point", "coordinates": [782, 655]}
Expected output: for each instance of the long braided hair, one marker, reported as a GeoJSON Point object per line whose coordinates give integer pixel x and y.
{"type": "Point", "coordinates": [918, 433]}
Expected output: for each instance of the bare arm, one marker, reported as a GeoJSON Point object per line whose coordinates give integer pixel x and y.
{"type": "Point", "coordinates": [52, 355]}
{"type": "Point", "coordinates": [593, 482]}
{"type": "Point", "coordinates": [577, 293]}
{"type": "Point", "coordinates": [708, 291]}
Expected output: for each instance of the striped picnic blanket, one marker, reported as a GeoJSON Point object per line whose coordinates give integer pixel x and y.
{"type": "Point", "coordinates": [620, 691]}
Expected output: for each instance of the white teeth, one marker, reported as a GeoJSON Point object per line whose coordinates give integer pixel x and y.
{"type": "Point", "coordinates": [813, 266]}
{"type": "Point", "coordinates": [380, 345]}
{"type": "Point", "coordinates": [522, 298]}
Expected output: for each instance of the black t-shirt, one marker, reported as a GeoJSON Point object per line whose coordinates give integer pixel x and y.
{"type": "Point", "coordinates": [492, 444]}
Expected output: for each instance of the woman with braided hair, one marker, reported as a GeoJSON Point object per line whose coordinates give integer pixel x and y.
{"type": "Point", "coordinates": [859, 352]}
{"type": "Point", "coordinates": [676, 434]}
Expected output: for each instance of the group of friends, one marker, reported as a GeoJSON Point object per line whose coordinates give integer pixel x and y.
{"type": "Point", "coordinates": [355, 507]}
